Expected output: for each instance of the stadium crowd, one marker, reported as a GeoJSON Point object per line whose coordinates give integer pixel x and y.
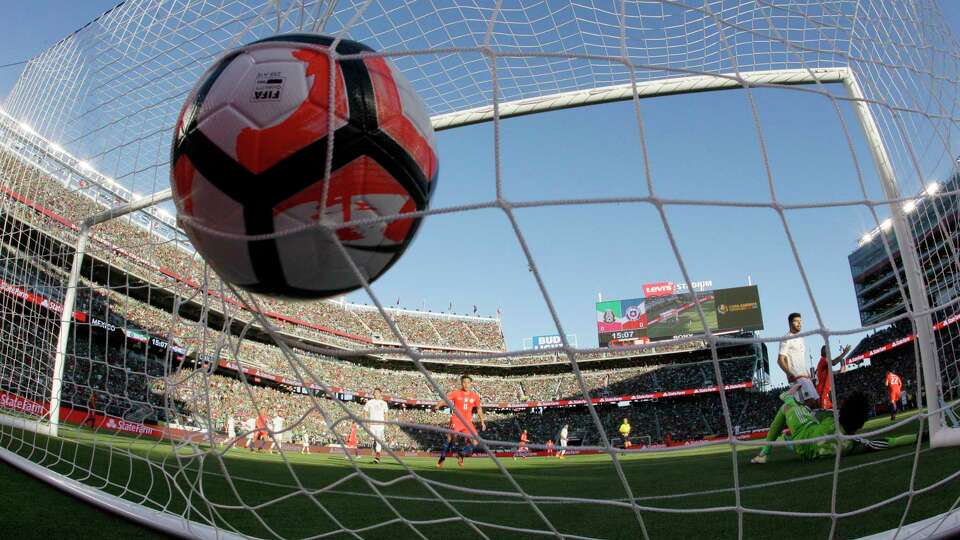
{"type": "Point", "coordinates": [132, 245]}
{"type": "Point", "coordinates": [123, 377]}
{"type": "Point", "coordinates": [883, 336]}
{"type": "Point", "coordinates": [41, 199]}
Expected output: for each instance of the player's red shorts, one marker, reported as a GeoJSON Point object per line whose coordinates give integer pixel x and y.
{"type": "Point", "coordinates": [260, 435]}
{"type": "Point", "coordinates": [895, 398]}
{"type": "Point", "coordinates": [459, 427]}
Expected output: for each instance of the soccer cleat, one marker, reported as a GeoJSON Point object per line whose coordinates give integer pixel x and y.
{"type": "Point", "coordinates": [460, 461]}
{"type": "Point", "coordinates": [439, 464]}
{"type": "Point", "coordinates": [759, 459]}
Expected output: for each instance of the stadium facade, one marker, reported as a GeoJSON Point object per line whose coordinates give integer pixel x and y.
{"type": "Point", "coordinates": [933, 219]}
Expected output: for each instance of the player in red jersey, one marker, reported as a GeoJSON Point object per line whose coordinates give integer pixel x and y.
{"type": "Point", "coordinates": [261, 433]}
{"type": "Point", "coordinates": [464, 402]}
{"type": "Point", "coordinates": [894, 384]}
{"type": "Point", "coordinates": [91, 411]}
{"type": "Point", "coordinates": [352, 439]}
{"type": "Point", "coordinates": [522, 449]}
{"type": "Point", "coordinates": [550, 450]}
{"type": "Point", "coordinates": [823, 374]}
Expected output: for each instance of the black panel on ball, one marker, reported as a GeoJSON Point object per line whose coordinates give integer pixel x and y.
{"type": "Point", "coordinates": [190, 115]}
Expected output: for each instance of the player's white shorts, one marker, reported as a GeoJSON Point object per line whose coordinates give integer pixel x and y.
{"type": "Point", "coordinates": [807, 390]}
{"type": "Point", "coordinates": [563, 443]}
{"type": "Point", "coordinates": [377, 431]}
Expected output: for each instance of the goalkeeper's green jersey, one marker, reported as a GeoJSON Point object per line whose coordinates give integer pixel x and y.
{"type": "Point", "coordinates": [804, 425]}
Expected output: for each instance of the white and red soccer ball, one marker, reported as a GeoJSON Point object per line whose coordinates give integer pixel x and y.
{"type": "Point", "coordinates": [248, 160]}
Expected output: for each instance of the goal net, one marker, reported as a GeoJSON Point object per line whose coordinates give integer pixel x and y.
{"type": "Point", "coordinates": [132, 377]}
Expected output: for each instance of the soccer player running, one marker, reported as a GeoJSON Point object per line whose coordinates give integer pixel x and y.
{"type": "Point", "coordinates": [91, 411]}
{"type": "Point", "coordinates": [522, 447]}
{"type": "Point", "coordinates": [352, 440]}
{"type": "Point", "coordinates": [802, 423]}
{"type": "Point", "coordinates": [260, 439]}
{"type": "Point", "coordinates": [464, 402]}
{"type": "Point", "coordinates": [894, 385]}
{"type": "Point", "coordinates": [625, 433]}
{"type": "Point", "coordinates": [564, 433]}
{"type": "Point", "coordinates": [791, 359]}
{"type": "Point", "coordinates": [823, 374]}
{"type": "Point", "coordinates": [277, 434]}
{"type": "Point", "coordinates": [375, 412]}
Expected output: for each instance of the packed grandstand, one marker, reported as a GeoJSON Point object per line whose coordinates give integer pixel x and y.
{"type": "Point", "coordinates": [130, 359]}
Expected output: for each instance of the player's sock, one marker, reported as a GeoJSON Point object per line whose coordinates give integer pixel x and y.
{"type": "Point", "coordinates": [902, 440]}
{"type": "Point", "coordinates": [443, 451]}
{"type": "Point", "coordinates": [776, 428]}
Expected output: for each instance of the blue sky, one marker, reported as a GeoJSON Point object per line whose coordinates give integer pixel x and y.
{"type": "Point", "coordinates": [702, 146]}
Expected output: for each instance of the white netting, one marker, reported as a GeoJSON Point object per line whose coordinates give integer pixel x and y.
{"type": "Point", "coordinates": [165, 366]}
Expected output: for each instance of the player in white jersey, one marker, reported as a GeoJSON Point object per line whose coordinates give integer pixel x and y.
{"type": "Point", "coordinates": [304, 441]}
{"type": "Point", "coordinates": [231, 430]}
{"type": "Point", "coordinates": [792, 359]}
{"type": "Point", "coordinates": [375, 412]}
{"type": "Point", "coordinates": [277, 433]}
{"type": "Point", "coordinates": [564, 433]}
{"type": "Point", "coordinates": [248, 426]}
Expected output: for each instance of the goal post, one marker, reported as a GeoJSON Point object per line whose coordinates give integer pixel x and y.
{"type": "Point", "coordinates": [917, 300]}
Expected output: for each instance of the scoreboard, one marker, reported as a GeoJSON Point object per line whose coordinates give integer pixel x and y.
{"type": "Point", "coordinates": [661, 316]}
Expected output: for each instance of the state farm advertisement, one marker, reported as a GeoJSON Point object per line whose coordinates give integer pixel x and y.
{"type": "Point", "coordinates": [25, 406]}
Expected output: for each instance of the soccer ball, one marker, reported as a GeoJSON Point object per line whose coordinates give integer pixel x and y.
{"type": "Point", "coordinates": [248, 159]}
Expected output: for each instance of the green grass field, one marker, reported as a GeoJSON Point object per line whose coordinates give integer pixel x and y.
{"type": "Point", "coordinates": [334, 498]}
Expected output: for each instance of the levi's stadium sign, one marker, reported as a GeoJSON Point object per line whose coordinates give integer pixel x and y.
{"type": "Point", "coordinates": [668, 288]}
{"type": "Point", "coordinates": [664, 288]}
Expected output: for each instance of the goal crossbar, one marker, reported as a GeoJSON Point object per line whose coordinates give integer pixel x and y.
{"type": "Point", "coordinates": [687, 84]}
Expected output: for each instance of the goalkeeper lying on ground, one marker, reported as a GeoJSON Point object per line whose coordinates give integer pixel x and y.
{"type": "Point", "coordinates": [804, 425]}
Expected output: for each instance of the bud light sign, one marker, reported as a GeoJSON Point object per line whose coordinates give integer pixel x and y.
{"type": "Point", "coordinates": [552, 341]}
